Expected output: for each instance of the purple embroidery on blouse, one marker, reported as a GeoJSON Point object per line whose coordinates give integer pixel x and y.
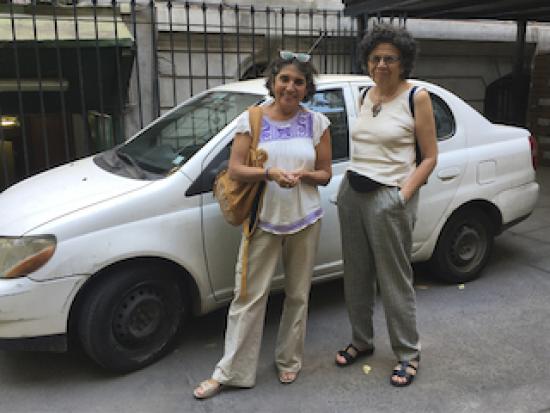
{"type": "Point", "coordinates": [309, 219]}
{"type": "Point", "coordinates": [299, 127]}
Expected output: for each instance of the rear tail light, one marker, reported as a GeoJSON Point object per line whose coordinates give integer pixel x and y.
{"type": "Point", "coordinates": [534, 151]}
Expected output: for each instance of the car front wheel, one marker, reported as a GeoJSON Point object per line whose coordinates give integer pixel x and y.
{"type": "Point", "coordinates": [131, 316]}
{"type": "Point", "coordinates": [464, 246]}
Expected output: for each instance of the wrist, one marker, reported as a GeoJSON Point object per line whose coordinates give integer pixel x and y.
{"type": "Point", "coordinates": [266, 174]}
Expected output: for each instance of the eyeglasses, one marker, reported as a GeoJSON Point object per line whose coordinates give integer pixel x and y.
{"type": "Point", "coordinates": [389, 59]}
{"type": "Point", "coordinates": [288, 55]}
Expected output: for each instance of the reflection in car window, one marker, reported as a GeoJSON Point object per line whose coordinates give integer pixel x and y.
{"type": "Point", "coordinates": [177, 136]}
{"type": "Point", "coordinates": [331, 103]}
{"type": "Point", "coordinates": [444, 119]}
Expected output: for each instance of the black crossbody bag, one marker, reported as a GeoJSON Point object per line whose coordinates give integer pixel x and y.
{"type": "Point", "coordinates": [361, 183]}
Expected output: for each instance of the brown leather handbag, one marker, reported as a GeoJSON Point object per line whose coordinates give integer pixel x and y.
{"type": "Point", "coordinates": [241, 202]}
{"type": "Point", "coordinates": [237, 199]}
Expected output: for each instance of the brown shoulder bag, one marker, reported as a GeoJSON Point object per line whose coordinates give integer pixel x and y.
{"type": "Point", "coordinates": [236, 198]}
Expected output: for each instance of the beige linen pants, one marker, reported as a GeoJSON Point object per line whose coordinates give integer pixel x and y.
{"type": "Point", "coordinates": [245, 320]}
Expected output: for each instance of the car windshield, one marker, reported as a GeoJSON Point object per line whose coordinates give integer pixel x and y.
{"type": "Point", "coordinates": [171, 141]}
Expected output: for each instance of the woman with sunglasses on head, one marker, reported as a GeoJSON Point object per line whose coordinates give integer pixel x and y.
{"type": "Point", "coordinates": [297, 142]}
{"type": "Point", "coordinates": [378, 199]}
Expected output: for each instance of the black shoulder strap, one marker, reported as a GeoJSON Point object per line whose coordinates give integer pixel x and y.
{"type": "Point", "coordinates": [363, 94]}
{"type": "Point", "coordinates": [411, 107]}
{"type": "Point", "coordinates": [411, 99]}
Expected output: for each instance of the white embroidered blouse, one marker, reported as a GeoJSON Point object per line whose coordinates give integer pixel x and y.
{"type": "Point", "coordinates": [290, 145]}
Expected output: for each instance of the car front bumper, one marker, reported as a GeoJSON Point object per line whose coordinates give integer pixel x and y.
{"type": "Point", "coordinates": [33, 315]}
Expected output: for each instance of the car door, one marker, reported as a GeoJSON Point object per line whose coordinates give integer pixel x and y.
{"type": "Point", "coordinates": [336, 102]}
{"type": "Point", "coordinates": [220, 239]}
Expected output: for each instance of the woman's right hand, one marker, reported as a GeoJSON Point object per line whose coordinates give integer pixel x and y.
{"type": "Point", "coordinates": [283, 178]}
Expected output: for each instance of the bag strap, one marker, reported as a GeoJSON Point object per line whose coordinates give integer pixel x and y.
{"type": "Point", "coordinates": [255, 115]}
{"type": "Point", "coordinates": [363, 94]}
{"type": "Point", "coordinates": [411, 107]}
{"type": "Point", "coordinates": [411, 99]}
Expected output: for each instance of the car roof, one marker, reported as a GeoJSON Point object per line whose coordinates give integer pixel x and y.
{"type": "Point", "coordinates": [258, 85]}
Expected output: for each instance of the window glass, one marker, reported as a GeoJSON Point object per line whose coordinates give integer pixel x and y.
{"type": "Point", "coordinates": [331, 103]}
{"type": "Point", "coordinates": [179, 135]}
{"type": "Point", "coordinates": [444, 119]}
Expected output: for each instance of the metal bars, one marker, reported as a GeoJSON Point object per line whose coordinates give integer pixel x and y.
{"type": "Point", "coordinates": [80, 78]}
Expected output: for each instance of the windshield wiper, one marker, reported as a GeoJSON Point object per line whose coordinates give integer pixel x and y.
{"type": "Point", "coordinates": [128, 159]}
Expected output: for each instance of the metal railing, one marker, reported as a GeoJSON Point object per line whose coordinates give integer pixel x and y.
{"type": "Point", "coordinates": [79, 78]}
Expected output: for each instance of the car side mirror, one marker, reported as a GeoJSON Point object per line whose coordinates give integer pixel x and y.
{"type": "Point", "coordinates": [205, 181]}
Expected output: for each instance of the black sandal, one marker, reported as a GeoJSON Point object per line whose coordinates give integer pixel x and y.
{"type": "Point", "coordinates": [406, 370]}
{"type": "Point", "coordinates": [350, 359]}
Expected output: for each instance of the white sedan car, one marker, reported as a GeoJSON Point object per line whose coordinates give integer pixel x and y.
{"type": "Point", "coordinates": [116, 249]}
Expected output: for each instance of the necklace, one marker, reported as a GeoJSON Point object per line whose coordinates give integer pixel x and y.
{"type": "Point", "coordinates": [377, 107]}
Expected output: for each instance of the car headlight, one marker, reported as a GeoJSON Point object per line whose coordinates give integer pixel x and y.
{"type": "Point", "coordinates": [19, 256]}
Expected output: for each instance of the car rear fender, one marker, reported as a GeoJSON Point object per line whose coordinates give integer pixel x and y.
{"type": "Point", "coordinates": [486, 206]}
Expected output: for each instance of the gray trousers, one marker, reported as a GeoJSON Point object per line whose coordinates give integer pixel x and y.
{"type": "Point", "coordinates": [245, 320]}
{"type": "Point", "coordinates": [376, 244]}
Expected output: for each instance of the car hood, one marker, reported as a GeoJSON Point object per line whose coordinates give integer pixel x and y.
{"type": "Point", "coordinates": [58, 192]}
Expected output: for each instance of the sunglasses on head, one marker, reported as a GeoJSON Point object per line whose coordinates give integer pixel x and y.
{"type": "Point", "coordinates": [288, 55]}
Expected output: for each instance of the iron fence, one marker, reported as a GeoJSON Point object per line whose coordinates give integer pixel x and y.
{"type": "Point", "coordinates": [79, 78]}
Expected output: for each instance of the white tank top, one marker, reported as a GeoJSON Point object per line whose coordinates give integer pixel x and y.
{"type": "Point", "coordinates": [383, 146]}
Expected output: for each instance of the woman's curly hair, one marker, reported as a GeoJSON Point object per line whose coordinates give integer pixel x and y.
{"type": "Point", "coordinates": [396, 36]}
{"type": "Point", "coordinates": [306, 68]}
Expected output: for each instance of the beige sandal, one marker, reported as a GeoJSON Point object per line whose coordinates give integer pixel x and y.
{"type": "Point", "coordinates": [287, 377]}
{"type": "Point", "coordinates": [207, 388]}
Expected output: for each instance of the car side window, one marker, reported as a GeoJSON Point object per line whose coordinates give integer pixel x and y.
{"type": "Point", "coordinates": [444, 120]}
{"type": "Point", "coordinates": [331, 103]}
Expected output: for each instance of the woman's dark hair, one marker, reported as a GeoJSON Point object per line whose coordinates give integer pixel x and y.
{"type": "Point", "coordinates": [306, 68]}
{"type": "Point", "coordinates": [396, 36]}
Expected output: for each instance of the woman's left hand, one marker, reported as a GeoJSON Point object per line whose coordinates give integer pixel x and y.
{"type": "Point", "coordinates": [405, 194]}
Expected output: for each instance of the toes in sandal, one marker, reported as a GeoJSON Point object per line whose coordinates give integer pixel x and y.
{"type": "Point", "coordinates": [207, 388]}
{"type": "Point", "coordinates": [352, 358]}
{"type": "Point", "coordinates": [405, 369]}
{"type": "Point", "coordinates": [287, 377]}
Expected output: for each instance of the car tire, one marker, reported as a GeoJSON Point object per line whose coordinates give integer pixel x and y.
{"type": "Point", "coordinates": [130, 317]}
{"type": "Point", "coordinates": [463, 247]}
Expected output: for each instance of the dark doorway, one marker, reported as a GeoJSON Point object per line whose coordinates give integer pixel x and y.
{"type": "Point", "coordinates": [506, 100]}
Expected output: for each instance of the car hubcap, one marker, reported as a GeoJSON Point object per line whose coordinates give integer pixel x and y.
{"type": "Point", "coordinates": [138, 316]}
{"type": "Point", "coordinates": [466, 247]}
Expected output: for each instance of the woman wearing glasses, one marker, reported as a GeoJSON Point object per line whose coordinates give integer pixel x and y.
{"type": "Point", "coordinates": [377, 202]}
{"type": "Point", "coordinates": [297, 142]}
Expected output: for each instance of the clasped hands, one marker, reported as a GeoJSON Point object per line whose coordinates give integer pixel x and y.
{"type": "Point", "coordinates": [285, 179]}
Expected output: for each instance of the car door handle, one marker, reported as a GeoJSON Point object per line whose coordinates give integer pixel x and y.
{"type": "Point", "coordinates": [332, 199]}
{"type": "Point", "coordinates": [448, 174]}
